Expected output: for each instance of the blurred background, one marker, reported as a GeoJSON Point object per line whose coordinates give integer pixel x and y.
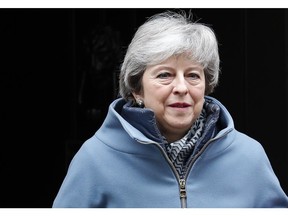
{"type": "Point", "coordinates": [58, 75]}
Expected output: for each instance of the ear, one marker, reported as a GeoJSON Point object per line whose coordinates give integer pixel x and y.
{"type": "Point", "coordinates": [138, 100]}
{"type": "Point", "coordinates": [137, 96]}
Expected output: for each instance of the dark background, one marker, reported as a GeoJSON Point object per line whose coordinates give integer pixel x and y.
{"type": "Point", "coordinates": [59, 72]}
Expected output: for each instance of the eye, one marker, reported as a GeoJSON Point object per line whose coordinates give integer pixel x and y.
{"type": "Point", "coordinates": [164, 75]}
{"type": "Point", "coordinates": [193, 76]}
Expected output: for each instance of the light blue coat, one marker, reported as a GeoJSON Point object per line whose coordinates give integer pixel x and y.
{"type": "Point", "coordinates": [123, 165]}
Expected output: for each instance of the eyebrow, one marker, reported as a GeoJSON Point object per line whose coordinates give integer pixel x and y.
{"type": "Point", "coordinates": [161, 67]}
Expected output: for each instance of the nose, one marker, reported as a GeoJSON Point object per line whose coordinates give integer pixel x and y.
{"type": "Point", "coordinates": [180, 86]}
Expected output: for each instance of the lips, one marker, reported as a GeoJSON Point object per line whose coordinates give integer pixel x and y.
{"type": "Point", "coordinates": [180, 105]}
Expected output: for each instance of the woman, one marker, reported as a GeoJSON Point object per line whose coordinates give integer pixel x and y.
{"type": "Point", "coordinates": [165, 142]}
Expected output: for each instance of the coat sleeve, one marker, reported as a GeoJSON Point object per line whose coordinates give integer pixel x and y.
{"type": "Point", "coordinates": [273, 195]}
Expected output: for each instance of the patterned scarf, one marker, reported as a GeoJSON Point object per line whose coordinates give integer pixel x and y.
{"type": "Point", "coordinates": [202, 130]}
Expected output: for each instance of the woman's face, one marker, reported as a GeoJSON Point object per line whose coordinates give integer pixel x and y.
{"type": "Point", "coordinates": [174, 90]}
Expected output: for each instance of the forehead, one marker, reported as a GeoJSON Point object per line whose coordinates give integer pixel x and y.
{"type": "Point", "coordinates": [177, 60]}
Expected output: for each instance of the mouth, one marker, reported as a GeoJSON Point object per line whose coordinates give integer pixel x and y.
{"type": "Point", "coordinates": [180, 105]}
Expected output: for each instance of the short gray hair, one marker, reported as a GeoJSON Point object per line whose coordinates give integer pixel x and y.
{"type": "Point", "coordinates": [162, 36]}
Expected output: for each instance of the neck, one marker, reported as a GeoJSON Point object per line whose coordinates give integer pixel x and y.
{"type": "Point", "coordinates": [174, 136]}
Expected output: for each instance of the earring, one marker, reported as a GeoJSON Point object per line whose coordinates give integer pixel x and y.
{"type": "Point", "coordinates": [140, 103]}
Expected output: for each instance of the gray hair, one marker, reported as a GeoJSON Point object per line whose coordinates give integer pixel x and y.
{"type": "Point", "coordinates": [162, 36]}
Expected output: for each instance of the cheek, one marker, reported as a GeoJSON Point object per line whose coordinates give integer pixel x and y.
{"type": "Point", "coordinates": [198, 99]}
{"type": "Point", "coordinates": [199, 106]}
{"type": "Point", "coordinates": [197, 94]}
{"type": "Point", "coordinates": [154, 98]}
{"type": "Point", "coordinates": [155, 94]}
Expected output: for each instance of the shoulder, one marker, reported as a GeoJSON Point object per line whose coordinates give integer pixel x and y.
{"type": "Point", "coordinates": [237, 146]}
{"type": "Point", "coordinates": [248, 151]}
{"type": "Point", "coordinates": [86, 155]}
{"type": "Point", "coordinates": [248, 144]}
